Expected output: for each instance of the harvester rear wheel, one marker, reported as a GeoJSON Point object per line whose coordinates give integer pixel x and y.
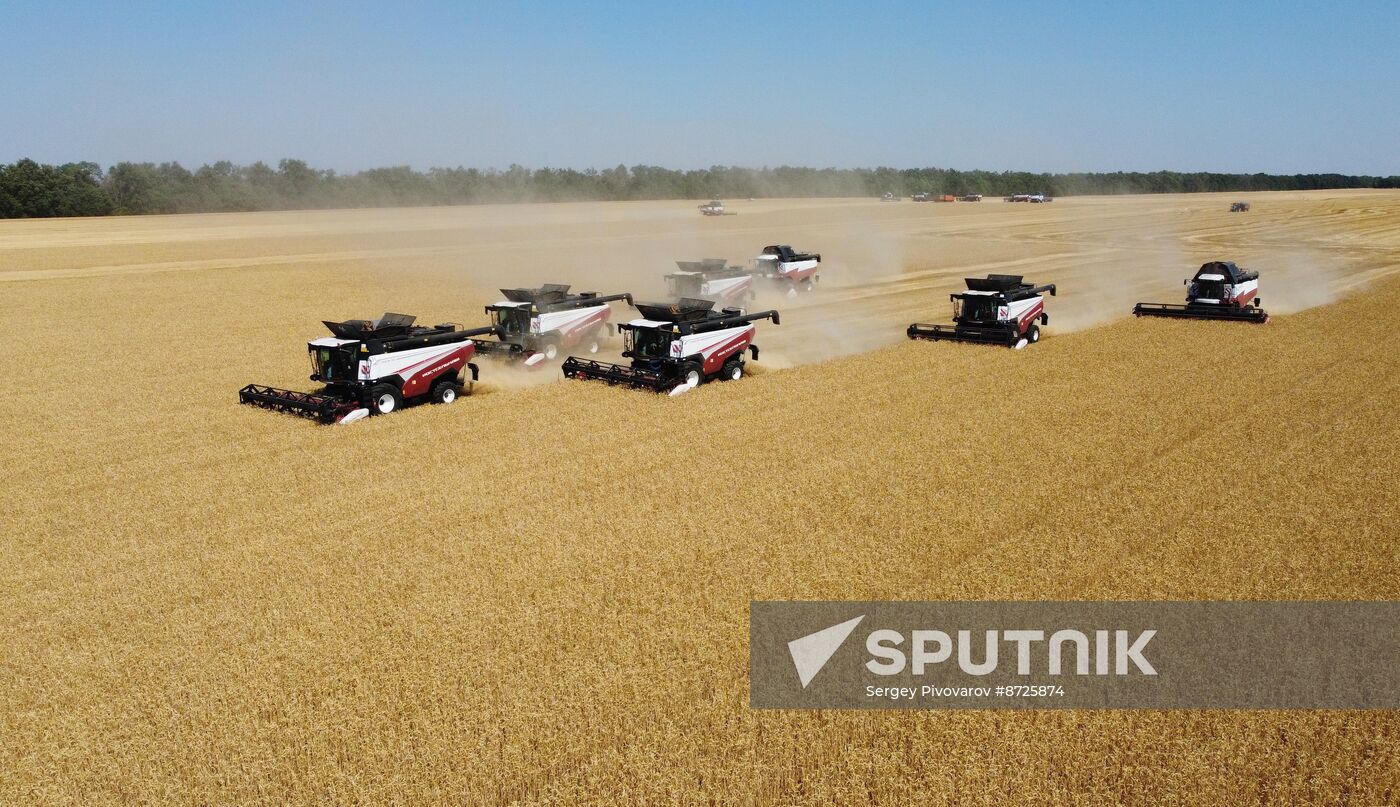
{"type": "Point", "coordinates": [1033, 335]}
{"type": "Point", "coordinates": [445, 392]}
{"type": "Point", "coordinates": [385, 398]}
{"type": "Point", "coordinates": [733, 371]}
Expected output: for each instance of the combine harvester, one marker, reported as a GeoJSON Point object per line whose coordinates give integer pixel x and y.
{"type": "Point", "coordinates": [533, 325]}
{"type": "Point", "coordinates": [675, 348]}
{"type": "Point", "coordinates": [1220, 290]}
{"type": "Point", "coordinates": [376, 368]}
{"type": "Point", "coordinates": [787, 267]}
{"type": "Point", "coordinates": [711, 279]}
{"type": "Point", "coordinates": [995, 310]}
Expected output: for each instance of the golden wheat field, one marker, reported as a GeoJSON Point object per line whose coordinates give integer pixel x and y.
{"type": "Point", "coordinates": [539, 594]}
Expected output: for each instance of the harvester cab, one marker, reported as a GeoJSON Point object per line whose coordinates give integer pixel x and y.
{"type": "Point", "coordinates": [676, 347]}
{"type": "Point", "coordinates": [533, 325]}
{"type": "Point", "coordinates": [710, 279]}
{"type": "Point", "coordinates": [995, 310]}
{"type": "Point", "coordinates": [797, 271]}
{"type": "Point", "coordinates": [1218, 290]}
{"type": "Point", "coordinates": [375, 367]}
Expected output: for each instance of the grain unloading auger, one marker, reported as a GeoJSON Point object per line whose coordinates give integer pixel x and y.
{"type": "Point", "coordinates": [995, 310]}
{"type": "Point", "coordinates": [534, 325]}
{"type": "Point", "coordinates": [1219, 290]}
{"type": "Point", "coordinates": [375, 367]}
{"type": "Point", "coordinates": [675, 347]}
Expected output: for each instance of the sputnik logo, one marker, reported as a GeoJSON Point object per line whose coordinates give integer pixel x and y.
{"type": "Point", "coordinates": [811, 652]}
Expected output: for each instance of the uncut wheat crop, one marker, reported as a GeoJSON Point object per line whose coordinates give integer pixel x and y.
{"type": "Point", "coordinates": [539, 594]}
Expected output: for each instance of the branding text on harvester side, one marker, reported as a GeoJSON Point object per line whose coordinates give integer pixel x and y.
{"type": "Point", "coordinates": [930, 647]}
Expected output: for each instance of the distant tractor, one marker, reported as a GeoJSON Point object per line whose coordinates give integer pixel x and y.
{"type": "Point", "coordinates": [888, 196]}
{"type": "Point", "coordinates": [971, 197]}
{"type": "Point", "coordinates": [710, 279]}
{"type": "Point", "coordinates": [676, 347]}
{"type": "Point", "coordinates": [995, 310]}
{"type": "Point", "coordinates": [919, 197]}
{"type": "Point", "coordinates": [376, 367]}
{"type": "Point", "coordinates": [796, 271]}
{"type": "Point", "coordinates": [714, 207]}
{"type": "Point", "coordinates": [534, 325]}
{"type": "Point", "coordinates": [1239, 207]}
{"type": "Point", "coordinates": [1219, 290]}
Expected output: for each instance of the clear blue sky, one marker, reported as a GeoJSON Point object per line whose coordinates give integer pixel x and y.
{"type": "Point", "coordinates": [1065, 86]}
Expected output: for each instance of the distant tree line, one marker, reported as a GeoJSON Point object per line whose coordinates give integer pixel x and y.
{"type": "Point", "coordinates": [29, 189]}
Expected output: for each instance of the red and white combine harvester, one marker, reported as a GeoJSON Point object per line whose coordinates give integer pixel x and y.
{"type": "Point", "coordinates": [995, 310]}
{"type": "Point", "coordinates": [1220, 290]}
{"type": "Point", "coordinates": [676, 347]}
{"type": "Point", "coordinates": [375, 367]}
{"type": "Point", "coordinates": [796, 271]}
{"type": "Point", "coordinates": [534, 325]}
{"type": "Point", "coordinates": [710, 279]}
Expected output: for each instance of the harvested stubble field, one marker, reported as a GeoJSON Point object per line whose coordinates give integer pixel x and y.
{"type": "Point", "coordinates": [540, 593]}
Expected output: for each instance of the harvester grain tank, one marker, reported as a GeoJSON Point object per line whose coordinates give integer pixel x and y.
{"type": "Point", "coordinates": [534, 325]}
{"type": "Point", "coordinates": [675, 347]}
{"type": "Point", "coordinates": [376, 367]}
{"type": "Point", "coordinates": [795, 271]}
{"type": "Point", "coordinates": [1219, 290]}
{"type": "Point", "coordinates": [995, 310]}
{"type": "Point", "coordinates": [710, 279]}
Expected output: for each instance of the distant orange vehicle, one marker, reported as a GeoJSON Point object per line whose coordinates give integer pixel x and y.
{"type": "Point", "coordinates": [947, 197]}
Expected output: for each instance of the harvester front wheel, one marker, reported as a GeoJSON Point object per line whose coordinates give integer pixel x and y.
{"type": "Point", "coordinates": [385, 398]}
{"type": "Point", "coordinates": [1033, 335]}
{"type": "Point", "coordinates": [690, 374]}
{"type": "Point", "coordinates": [551, 351]}
{"type": "Point", "coordinates": [733, 371]}
{"type": "Point", "coordinates": [591, 344]}
{"type": "Point", "coordinates": [445, 392]}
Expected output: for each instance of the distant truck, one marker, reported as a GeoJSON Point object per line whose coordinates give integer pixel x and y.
{"type": "Point", "coordinates": [972, 197]}
{"type": "Point", "coordinates": [919, 197]}
{"type": "Point", "coordinates": [714, 207]}
{"type": "Point", "coordinates": [887, 196]}
{"type": "Point", "coordinates": [1239, 207]}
